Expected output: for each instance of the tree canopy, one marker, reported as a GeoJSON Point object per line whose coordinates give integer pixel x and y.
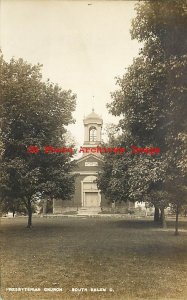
{"type": "Point", "coordinates": [33, 113]}
{"type": "Point", "coordinates": [151, 101]}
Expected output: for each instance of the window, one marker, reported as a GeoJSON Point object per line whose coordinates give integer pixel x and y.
{"type": "Point", "coordinates": [93, 134]}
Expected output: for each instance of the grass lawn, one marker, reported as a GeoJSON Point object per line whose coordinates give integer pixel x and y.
{"type": "Point", "coordinates": [135, 258]}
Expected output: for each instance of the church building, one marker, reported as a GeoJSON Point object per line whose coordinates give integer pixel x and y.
{"type": "Point", "coordinates": [87, 198]}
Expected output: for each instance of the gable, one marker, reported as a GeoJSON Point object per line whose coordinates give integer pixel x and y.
{"type": "Point", "coordinates": [89, 162]}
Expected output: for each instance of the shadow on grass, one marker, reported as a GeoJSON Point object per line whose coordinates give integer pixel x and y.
{"type": "Point", "coordinates": [78, 225]}
{"type": "Point", "coordinates": [148, 224]}
{"type": "Point", "coordinates": [75, 225]}
{"type": "Point", "coordinates": [137, 224]}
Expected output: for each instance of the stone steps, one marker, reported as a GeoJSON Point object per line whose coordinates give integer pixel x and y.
{"type": "Point", "coordinates": [85, 211]}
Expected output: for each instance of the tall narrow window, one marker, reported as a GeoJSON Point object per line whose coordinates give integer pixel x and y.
{"type": "Point", "coordinates": [93, 134]}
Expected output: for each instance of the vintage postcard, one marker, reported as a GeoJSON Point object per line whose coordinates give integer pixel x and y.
{"type": "Point", "coordinates": [93, 149]}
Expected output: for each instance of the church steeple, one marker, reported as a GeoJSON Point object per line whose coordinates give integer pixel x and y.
{"type": "Point", "coordinates": [92, 129]}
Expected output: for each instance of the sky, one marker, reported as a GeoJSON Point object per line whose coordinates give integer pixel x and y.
{"type": "Point", "coordinates": [83, 46]}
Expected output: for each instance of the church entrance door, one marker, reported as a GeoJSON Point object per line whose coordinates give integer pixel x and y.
{"type": "Point", "coordinates": [91, 199]}
{"type": "Point", "coordinates": [91, 196]}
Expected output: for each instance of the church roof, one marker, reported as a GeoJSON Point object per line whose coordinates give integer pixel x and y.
{"type": "Point", "coordinates": [93, 115]}
{"type": "Point", "coordinates": [93, 118]}
{"type": "Point", "coordinates": [90, 155]}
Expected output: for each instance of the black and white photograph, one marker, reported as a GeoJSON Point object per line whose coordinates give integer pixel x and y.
{"type": "Point", "coordinates": [93, 149]}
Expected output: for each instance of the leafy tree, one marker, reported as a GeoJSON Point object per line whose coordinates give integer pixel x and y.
{"type": "Point", "coordinates": [112, 179]}
{"type": "Point", "coordinates": [163, 20]}
{"type": "Point", "coordinates": [151, 101]}
{"type": "Point", "coordinates": [33, 113]}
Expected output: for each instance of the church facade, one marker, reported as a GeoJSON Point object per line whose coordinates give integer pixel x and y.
{"type": "Point", "coordinates": [87, 198]}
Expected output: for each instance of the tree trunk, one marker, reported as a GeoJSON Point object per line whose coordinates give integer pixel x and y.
{"type": "Point", "coordinates": [44, 206]}
{"type": "Point", "coordinates": [13, 212]}
{"type": "Point", "coordinates": [177, 221]}
{"type": "Point", "coordinates": [29, 208]}
{"type": "Point", "coordinates": [163, 219]}
{"type": "Point", "coordinates": [156, 214]}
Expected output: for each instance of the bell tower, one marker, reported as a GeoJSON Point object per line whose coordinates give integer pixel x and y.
{"type": "Point", "coordinates": [92, 130]}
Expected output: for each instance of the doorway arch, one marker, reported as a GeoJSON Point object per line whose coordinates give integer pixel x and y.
{"type": "Point", "coordinates": [91, 196]}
